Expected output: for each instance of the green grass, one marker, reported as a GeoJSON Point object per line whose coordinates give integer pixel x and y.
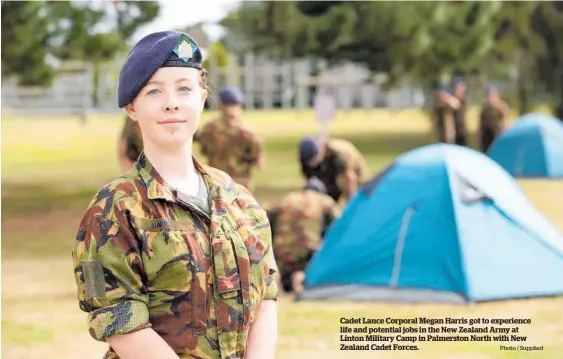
{"type": "Point", "coordinates": [25, 333]}
{"type": "Point", "coordinates": [51, 168]}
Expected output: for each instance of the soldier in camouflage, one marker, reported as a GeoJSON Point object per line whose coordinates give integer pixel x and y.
{"type": "Point", "coordinates": [173, 259]}
{"type": "Point", "coordinates": [130, 144]}
{"type": "Point", "coordinates": [336, 162]}
{"type": "Point", "coordinates": [445, 105]}
{"type": "Point", "coordinates": [302, 218]}
{"type": "Point", "coordinates": [493, 119]}
{"type": "Point", "coordinates": [460, 112]}
{"type": "Point", "coordinates": [229, 144]}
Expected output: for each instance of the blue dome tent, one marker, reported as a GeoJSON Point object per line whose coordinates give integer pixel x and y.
{"type": "Point", "coordinates": [442, 223]}
{"type": "Point", "coordinates": [532, 147]}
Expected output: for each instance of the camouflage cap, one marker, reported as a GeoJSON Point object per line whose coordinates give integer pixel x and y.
{"type": "Point", "coordinates": [159, 49]}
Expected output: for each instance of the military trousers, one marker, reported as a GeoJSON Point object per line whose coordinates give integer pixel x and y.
{"type": "Point", "coordinates": [487, 136]}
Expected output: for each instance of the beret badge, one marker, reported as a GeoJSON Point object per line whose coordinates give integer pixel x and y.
{"type": "Point", "coordinates": [185, 48]}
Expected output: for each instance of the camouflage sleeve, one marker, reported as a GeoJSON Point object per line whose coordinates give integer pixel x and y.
{"type": "Point", "coordinates": [331, 212]}
{"type": "Point", "coordinates": [107, 269]}
{"type": "Point", "coordinates": [261, 224]}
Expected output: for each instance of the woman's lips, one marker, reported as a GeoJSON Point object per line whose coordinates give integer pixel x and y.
{"type": "Point", "coordinates": [171, 121]}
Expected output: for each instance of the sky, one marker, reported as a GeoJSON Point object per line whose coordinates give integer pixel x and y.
{"type": "Point", "coordinates": [176, 14]}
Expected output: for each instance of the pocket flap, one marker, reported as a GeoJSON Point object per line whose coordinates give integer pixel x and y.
{"type": "Point", "coordinates": [226, 269]}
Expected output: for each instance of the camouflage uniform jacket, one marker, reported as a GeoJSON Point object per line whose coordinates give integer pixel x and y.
{"type": "Point", "coordinates": [133, 140]}
{"type": "Point", "coordinates": [350, 154]}
{"type": "Point", "coordinates": [233, 148]}
{"type": "Point", "coordinates": [302, 219]}
{"type": "Point", "coordinates": [492, 115]}
{"type": "Point", "coordinates": [340, 156]}
{"type": "Point", "coordinates": [144, 258]}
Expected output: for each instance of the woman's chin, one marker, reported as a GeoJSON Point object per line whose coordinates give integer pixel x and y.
{"type": "Point", "coordinates": [175, 142]}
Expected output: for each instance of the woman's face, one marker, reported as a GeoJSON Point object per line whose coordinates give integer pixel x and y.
{"type": "Point", "coordinates": [169, 107]}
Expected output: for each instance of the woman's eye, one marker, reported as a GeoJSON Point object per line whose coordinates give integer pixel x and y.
{"type": "Point", "coordinates": [184, 88]}
{"type": "Point", "coordinates": [152, 92]}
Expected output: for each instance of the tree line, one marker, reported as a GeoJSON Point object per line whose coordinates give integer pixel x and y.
{"type": "Point", "coordinates": [37, 34]}
{"type": "Point", "coordinates": [422, 41]}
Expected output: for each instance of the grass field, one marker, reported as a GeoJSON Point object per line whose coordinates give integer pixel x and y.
{"type": "Point", "coordinates": [52, 167]}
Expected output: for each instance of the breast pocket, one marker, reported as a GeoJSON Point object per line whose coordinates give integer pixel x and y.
{"type": "Point", "coordinates": [167, 257]}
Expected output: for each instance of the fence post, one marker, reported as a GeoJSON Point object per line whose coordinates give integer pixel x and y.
{"type": "Point", "coordinates": [249, 70]}
{"type": "Point", "coordinates": [287, 85]}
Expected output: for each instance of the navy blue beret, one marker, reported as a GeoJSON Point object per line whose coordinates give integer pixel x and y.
{"type": "Point", "coordinates": [315, 184]}
{"type": "Point", "coordinates": [159, 49]}
{"type": "Point", "coordinates": [231, 95]}
{"type": "Point", "coordinates": [308, 149]}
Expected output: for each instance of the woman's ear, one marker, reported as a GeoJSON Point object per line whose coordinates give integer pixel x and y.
{"type": "Point", "coordinates": [204, 95]}
{"type": "Point", "coordinates": [131, 111]}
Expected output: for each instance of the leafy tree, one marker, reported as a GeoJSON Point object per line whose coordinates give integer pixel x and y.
{"type": "Point", "coordinates": [547, 22]}
{"type": "Point", "coordinates": [34, 31]}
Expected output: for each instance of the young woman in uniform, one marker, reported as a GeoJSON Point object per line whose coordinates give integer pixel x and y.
{"type": "Point", "coordinates": [173, 259]}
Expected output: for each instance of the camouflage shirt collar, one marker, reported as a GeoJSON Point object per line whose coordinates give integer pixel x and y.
{"type": "Point", "coordinates": [222, 189]}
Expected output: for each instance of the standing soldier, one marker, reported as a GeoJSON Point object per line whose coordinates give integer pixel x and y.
{"type": "Point", "coordinates": [229, 144]}
{"type": "Point", "coordinates": [130, 144]}
{"type": "Point", "coordinates": [173, 260]}
{"type": "Point", "coordinates": [444, 106]}
{"type": "Point", "coordinates": [302, 219]}
{"type": "Point", "coordinates": [493, 119]}
{"type": "Point", "coordinates": [336, 162]}
{"type": "Point", "coordinates": [459, 113]}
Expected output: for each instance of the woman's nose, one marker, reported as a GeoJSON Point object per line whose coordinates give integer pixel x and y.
{"type": "Point", "coordinates": [171, 104]}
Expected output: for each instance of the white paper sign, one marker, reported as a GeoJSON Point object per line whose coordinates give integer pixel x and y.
{"type": "Point", "coordinates": [325, 108]}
